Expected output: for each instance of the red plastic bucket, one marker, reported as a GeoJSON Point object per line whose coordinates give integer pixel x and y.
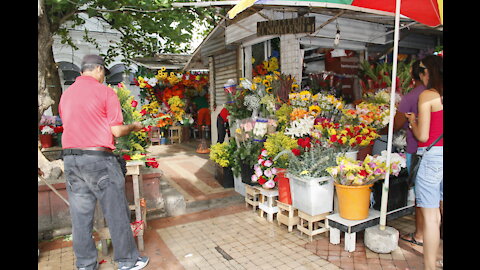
{"type": "Point", "coordinates": [46, 140]}
{"type": "Point", "coordinates": [284, 194]}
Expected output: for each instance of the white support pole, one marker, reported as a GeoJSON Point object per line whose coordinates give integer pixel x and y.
{"type": "Point", "coordinates": [383, 209]}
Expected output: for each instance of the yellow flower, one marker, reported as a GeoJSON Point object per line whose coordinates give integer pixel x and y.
{"type": "Point", "coordinates": [294, 87]}
{"type": "Point", "coordinates": [266, 83]}
{"type": "Point", "coordinates": [268, 90]}
{"type": "Point", "coordinates": [314, 109]}
{"type": "Point", "coordinates": [304, 172]}
{"type": "Point", "coordinates": [257, 79]}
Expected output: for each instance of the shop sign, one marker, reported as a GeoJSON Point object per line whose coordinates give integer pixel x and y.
{"type": "Point", "coordinates": [287, 26]}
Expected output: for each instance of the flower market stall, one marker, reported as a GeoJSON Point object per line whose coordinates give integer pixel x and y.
{"type": "Point", "coordinates": [318, 130]}
{"type": "Point", "coordinates": [168, 101]}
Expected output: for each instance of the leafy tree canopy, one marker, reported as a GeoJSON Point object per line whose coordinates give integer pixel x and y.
{"type": "Point", "coordinates": [147, 26]}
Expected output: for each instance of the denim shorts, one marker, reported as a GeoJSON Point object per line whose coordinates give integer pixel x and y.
{"type": "Point", "coordinates": [429, 180]}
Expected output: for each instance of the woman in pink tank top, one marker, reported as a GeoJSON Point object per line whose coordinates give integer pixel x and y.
{"type": "Point", "coordinates": [429, 181]}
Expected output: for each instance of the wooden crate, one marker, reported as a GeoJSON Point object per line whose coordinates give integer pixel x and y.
{"type": "Point", "coordinates": [312, 225]}
{"type": "Point", "coordinates": [252, 197]}
{"type": "Point", "coordinates": [287, 214]}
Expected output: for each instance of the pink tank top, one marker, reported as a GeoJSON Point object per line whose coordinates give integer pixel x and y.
{"type": "Point", "coordinates": [436, 129]}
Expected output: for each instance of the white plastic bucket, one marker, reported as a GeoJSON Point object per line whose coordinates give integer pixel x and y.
{"type": "Point", "coordinates": [313, 196]}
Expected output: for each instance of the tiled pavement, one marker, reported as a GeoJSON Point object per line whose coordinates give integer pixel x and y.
{"type": "Point", "coordinates": [234, 237]}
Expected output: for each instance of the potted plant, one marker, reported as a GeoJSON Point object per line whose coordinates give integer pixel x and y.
{"type": "Point", "coordinates": [222, 154]}
{"type": "Point", "coordinates": [353, 179]}
{"type": "Point", "coordinates": [310, 184]}
{"type": "Point", "coordinates": [58, 130]}
{"type": "Point", "coordinates": [46, 138]}
{"type": "Point", "coordinates": [274, 144]}
{"type": "Point", "coordinates": [245, 156]}
{"type": "Point", "coordinates": [264, 171]}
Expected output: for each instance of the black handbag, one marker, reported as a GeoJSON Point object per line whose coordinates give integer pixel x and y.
{"type": "Point", "coordinates": [416, 159]}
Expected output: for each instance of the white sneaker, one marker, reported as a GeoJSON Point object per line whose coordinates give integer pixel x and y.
{"type": "Point", "coordinates": [140, 264]}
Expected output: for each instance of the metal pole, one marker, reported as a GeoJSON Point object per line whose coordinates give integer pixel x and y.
{"type": "Point", "coordinates": [383, 209]}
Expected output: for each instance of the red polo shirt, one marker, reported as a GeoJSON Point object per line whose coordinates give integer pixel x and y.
{"type": "Point", "coordinates": [88, 109]}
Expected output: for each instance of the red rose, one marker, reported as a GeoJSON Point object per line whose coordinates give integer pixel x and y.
{"type": "Point", "coordinates": [143, 112]}
{"type": "Point", "coordinates": [262, 180]}
{"type": "Point", "coordinates": [304, 142]}
{"type": "Point", "coordinates": [134, 103]}
{"type": "Point", "coordinates": [58, 129]}
{"type": "Point", "coordinates": [296, 151]}
{"type": "Point", "coordinates": [127, 157]}
{"type": "Point", "coordinates": [363, 173]}
{"type": "Point", "coordinates": [333, 138]}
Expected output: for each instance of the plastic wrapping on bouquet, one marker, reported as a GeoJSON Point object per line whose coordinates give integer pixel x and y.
{"type": "Point", "coordinates": [230, 87]}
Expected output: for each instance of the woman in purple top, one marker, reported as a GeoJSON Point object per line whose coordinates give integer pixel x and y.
{"type": "Point", "coordinates": [409, 103]}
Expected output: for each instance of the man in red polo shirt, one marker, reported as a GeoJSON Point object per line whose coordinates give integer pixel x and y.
{"type": "Point", "coordinates": [92, 117]}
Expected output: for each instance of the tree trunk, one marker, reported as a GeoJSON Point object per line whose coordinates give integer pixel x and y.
{"type": "Point", "coordinates": [45, 42]}
{"type": "Point", "coordinates": [46, 76]}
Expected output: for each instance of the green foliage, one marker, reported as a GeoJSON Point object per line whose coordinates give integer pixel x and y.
{"type": "Point", "coordinates": [222, 153]}
{"type": "Point", "coordinates": [236, 106]}
{"type": "Point", "coordinates": [246, 153]}
{"type": "Point", "coordinates": [147, 27]}
{"type": "Point", "coordinates": [313, 162]}
{"type": "Point", "coordinates": [276, 143]}
{"type": "Point", "coordinates": [283, 116]}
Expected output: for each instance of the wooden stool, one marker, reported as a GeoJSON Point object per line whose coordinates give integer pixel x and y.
{"type": "Point", "coordinates": [287, 215]}
{"type": "Point", "coordinates": [251, 197]}
{"type": "Point", "coordinates": [175, 134]}
{"type": "Point", "coordinates": [267, 202]}
{"type": "Point", "coordinates": [154, 135]}
{"type": "Point", "coordinates": [314, 224]}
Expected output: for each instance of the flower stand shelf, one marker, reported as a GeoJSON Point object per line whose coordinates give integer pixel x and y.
{"type": "Point", "coordinates": [140, 223]}
{"type": "Point", "coordinates": [287, 215]}
{"type": "Point", "coordinates": [351, 227]}
{"type": "Point", "coordinates": [252, 197]}
{"type": "Point", "coordinates": [267, 202]}
{"type": "Point", "coordinates": [175, 134]}
{"type": "Point", "coordinates": [313, 224]}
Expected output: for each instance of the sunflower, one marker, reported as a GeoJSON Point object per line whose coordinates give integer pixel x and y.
{"type": "Point", "coordinates": [294, 87]}
{"type": "Point", "coordinates": [314, 110]}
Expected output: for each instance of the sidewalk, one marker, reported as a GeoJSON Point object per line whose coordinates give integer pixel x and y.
{"type": "Point", "coordinates": [233, 236]}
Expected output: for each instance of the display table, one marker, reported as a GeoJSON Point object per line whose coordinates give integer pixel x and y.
{"type": "Point", "coordinates": [336, 224]}
{"type": "Point", "coordinates": [140, 223]}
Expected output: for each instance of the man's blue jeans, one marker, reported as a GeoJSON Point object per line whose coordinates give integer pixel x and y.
{"type": "Point", "coordinates": [90, 178]}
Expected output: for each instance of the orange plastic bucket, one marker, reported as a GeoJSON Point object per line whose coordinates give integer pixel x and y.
{"type": "Point", "coordinates": [353, 201]}
{"type": "Point", "coordinates": [284, 194]}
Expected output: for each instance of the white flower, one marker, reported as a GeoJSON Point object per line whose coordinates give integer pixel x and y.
{"type": "Point", "coordinates": [152, 81]}
{"type": "Point", "coordinates": [47, 130]}
{"type": "Point", "coordinates": [300, 127]}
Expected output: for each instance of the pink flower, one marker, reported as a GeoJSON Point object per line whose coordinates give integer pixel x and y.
{"type": "Point", "coordinates": [258, 172]}
{"type": "Point", "coordinates": [267, 163]}
{"type": "Point", "coordinates": [260, 161]}
{"type": "Point", "coordinates": [264, 153]}
{"type": "Point", "coordinates": [254, 178]}
{"type": "Point", "coordinates": [268, 173]}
